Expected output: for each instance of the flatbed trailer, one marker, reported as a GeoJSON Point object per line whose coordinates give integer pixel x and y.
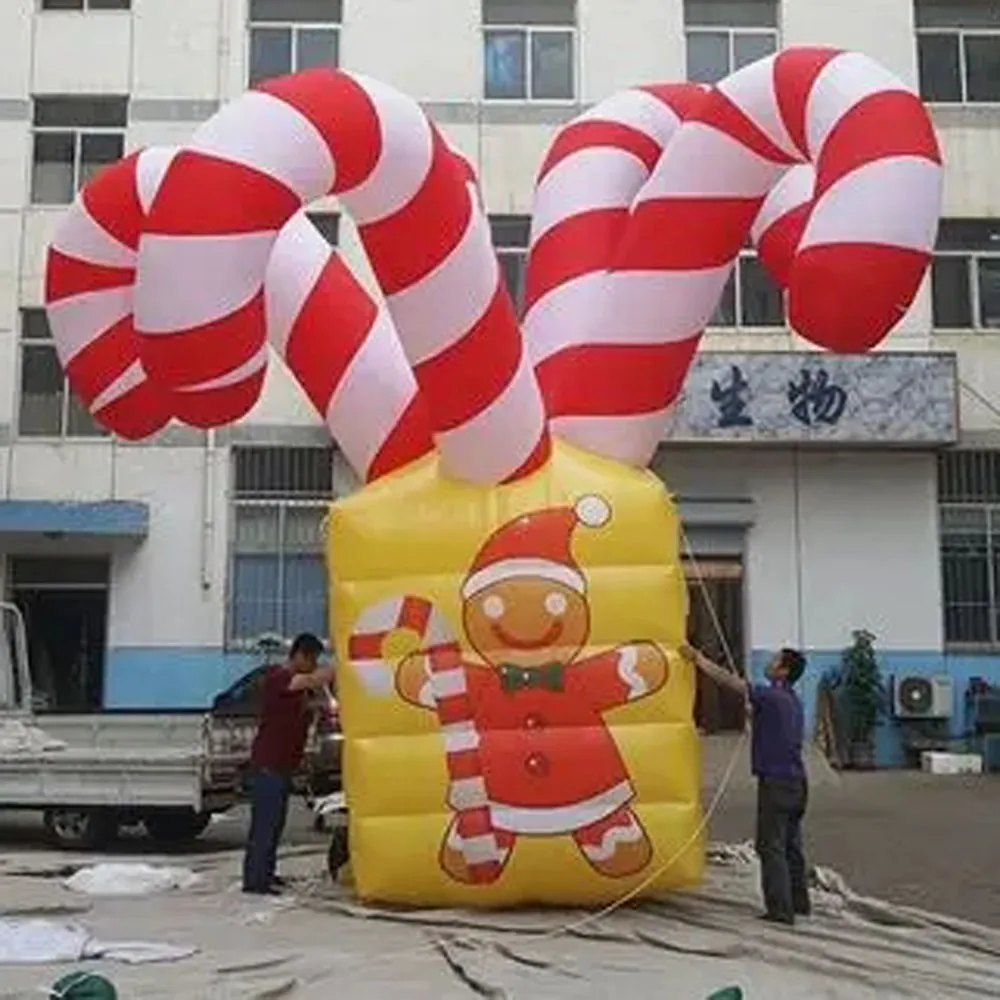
{"type": "Point", "coordinates": [91, 774]}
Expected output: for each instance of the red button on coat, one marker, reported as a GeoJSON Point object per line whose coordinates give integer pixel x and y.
{"type": "Point", "coordinates": [533, 722]}
{"type": "Point", "coordinates": [537, 765]}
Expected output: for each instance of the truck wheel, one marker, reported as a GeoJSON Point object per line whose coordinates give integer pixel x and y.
{"type": "Point", "coordinates": [80, 828]}
{"type": "Point", "coordinates": [337, 855]}
{"type": "Point", "coordinates": [176, 826]}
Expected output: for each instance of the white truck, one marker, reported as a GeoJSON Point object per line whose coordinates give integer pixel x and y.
{"type": "Point", "coordinates": [91, 775]}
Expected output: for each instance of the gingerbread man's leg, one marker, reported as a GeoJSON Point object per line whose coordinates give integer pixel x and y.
{"type": "Point", "coordinates": [462, 868]}
{"type": "Point", "coordinates": [616, 846]}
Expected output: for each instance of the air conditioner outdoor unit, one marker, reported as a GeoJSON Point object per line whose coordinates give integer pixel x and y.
{"type": "Point", "coordinates": [915, 697]}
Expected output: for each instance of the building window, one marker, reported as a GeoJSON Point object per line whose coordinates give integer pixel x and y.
{"type": "Point", "coordinates": [278, 570]}
{"type": "Point", "coordinates": [725, 35]}
{"type": "Point", "coordinates": [969, 510]}
{"type": "Point", "coordinates": [291, 35]}
{"type": "Point", "coordinates": [529, 50]}
{"type": "Point", "coordinates": [511, 234]}
{"type": "Point", "coordinates": [750, 298]}
{"type": "Point", "coordinates": [47, 407]}
{"type": "Point", "coordinates": [965, 275]}
{"type": "Point", "coordinates": [73, 138]}
{"type": "Point", "coordinates": [958, 51]}
{"type": "Point", "coordinates": [86, 4]}
{"type": "Point", "coordinates": [327, 224]}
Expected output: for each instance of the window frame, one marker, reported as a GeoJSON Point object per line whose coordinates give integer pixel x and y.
{"type": "Point", "coordinates": [739, 326]}
{"type": "Point", "coordinates": [961, 34]}
{"type": "Point", "coordinates": [972, 260]}
{"type": "Point", "coordinates": [67, 396]}
{"type": "Point", "coordinates": [272, 484]}
{"type": "Point", "coordinates": [968, 485]}
{"type": "Point", "coordinates": [85, 8]}
{"type": "Point", "coordinates": [502, 224]}
{"type": "Point", "coordinates": [990, 511]}
{"type": "Point", "coordinates": [731, 33]}
{"type": "Point", "coordinates": [78, 132]}
{"type": "Point", "coordinates": [282, 504]}
{"type": "Point", "coordinates": [295, 27]}
{"type": "Point", "coordinates": [528, 30]}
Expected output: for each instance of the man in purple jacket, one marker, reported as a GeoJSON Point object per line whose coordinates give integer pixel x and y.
{"type": "Point", "coordinates": [782, 788]}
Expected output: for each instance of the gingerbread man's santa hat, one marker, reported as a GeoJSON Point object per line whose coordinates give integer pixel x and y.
{"type": "Point", "coordinates": [537, 546]}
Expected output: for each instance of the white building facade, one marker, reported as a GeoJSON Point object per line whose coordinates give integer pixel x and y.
{"type": "Point", "coordinates": [148, 588]}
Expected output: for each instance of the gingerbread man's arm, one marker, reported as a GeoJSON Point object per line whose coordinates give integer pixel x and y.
{"type": "Point", "coordinates": [620, 675]}
{"type": "Point", "coordinates": [413, 680]}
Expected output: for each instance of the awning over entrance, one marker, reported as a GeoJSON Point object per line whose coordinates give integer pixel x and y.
{"type": "Point", "coordinates": [109, 519]}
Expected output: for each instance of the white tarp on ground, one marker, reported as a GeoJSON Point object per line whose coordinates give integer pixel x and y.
{"type": "Point", "coordinates": [48, 942]}
{"type": "Point", "coordinates": [686, 946]}
{"type": "Point", "coordinates": [129, 879]}
{"type": "Point", "coordinates": [320, 942]}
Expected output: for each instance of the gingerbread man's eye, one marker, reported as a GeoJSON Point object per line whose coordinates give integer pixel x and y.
{"type": "Point", "coordinates": [555, 603]}
{"type": "Point", "coordinates": [493, 607]}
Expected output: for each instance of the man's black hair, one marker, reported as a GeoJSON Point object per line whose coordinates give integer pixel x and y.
{"type": "Point", "coordinates": [307, 644]}
{"type": "Point", "coordinates": [794, 664]}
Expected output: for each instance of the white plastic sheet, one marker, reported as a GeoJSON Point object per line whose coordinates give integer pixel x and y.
{"type": "Point", "coordinates": [126, 879]}
{"type": "Point", "coordinates": [47, 942]}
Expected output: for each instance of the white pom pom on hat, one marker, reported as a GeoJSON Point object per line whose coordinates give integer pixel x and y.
{"type": "Point", "coordinates": [592, 511]}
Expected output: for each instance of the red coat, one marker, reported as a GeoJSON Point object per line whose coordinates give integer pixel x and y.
{"type": "Point", "coordinates": [549, 761]}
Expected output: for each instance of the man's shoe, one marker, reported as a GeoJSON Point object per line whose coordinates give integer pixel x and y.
{"type": "Point", "coordinates": [777, 918]}
{"type": "Point", "coordinates": [279, 882]}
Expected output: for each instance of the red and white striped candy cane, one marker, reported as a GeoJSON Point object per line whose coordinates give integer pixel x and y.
{"type": "Point", "coordinates": [447, 692]}
{"type": "Point", "coordinates": [342, 348]}
{"type": "Point", "coordinates": [339, 345]}
{"type": "Point", "coordinates": [870, 233]}
{"type": "Point", "coordinates": [594, 168]}
{"type": "Point", "coordinates": [248, 169]}
{"type": "Point", "coordinates": [777, 230]}
{"type": "Point", "coordinates": [89, 278]}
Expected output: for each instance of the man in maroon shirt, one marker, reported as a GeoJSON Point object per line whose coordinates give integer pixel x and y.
{"type": "Point", "coordinates": [286, 706]}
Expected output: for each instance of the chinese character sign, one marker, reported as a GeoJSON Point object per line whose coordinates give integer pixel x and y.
{"type": "Point", "coordinates": [815, 399]}
{"type": "Point", "coordinates": [801, 398]}
{"type": "Point", "coordinates": [732, 395]}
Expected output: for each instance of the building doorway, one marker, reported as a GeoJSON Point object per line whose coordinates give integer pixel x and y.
{"type": "Point", "coordinates": [65, 607]}
{"type": "Point", "coordinates": [715, 600]}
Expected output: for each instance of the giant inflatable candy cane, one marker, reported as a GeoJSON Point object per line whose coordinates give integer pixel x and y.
{"type": "Point", "coordinates": [506, 589]}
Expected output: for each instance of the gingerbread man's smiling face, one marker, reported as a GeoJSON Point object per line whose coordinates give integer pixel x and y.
{"type": "Point", "coordinates": [528, 622]}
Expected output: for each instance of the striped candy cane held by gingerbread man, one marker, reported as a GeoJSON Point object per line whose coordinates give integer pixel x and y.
{"type": "Point", "coordinates": [447, 692]}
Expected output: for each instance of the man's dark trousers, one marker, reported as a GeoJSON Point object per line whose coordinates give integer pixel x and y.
{"type": "Point", "coordinates": [268, 812]}
{"type": "Point", "coordinates": [781, 805]}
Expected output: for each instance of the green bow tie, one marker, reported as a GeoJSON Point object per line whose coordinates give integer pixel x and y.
{"type": "Point", "coordinates": [514, 678]}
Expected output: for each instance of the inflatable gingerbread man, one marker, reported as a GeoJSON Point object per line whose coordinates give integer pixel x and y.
{"type": "Point", "coordinates": [527, 618]}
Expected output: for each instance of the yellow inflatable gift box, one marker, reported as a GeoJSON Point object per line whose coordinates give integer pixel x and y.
{"type": "Point", "coordinates": [518, 724]}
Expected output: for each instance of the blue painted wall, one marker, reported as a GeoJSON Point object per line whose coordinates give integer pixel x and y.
{"type": "Point", "coordinates": [888, 739]}
{"type": "Point", "coordinates": [170, 677]}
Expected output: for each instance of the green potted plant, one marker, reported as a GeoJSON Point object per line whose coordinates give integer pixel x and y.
{"type": "Point", "coordinates": [863, 692]}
